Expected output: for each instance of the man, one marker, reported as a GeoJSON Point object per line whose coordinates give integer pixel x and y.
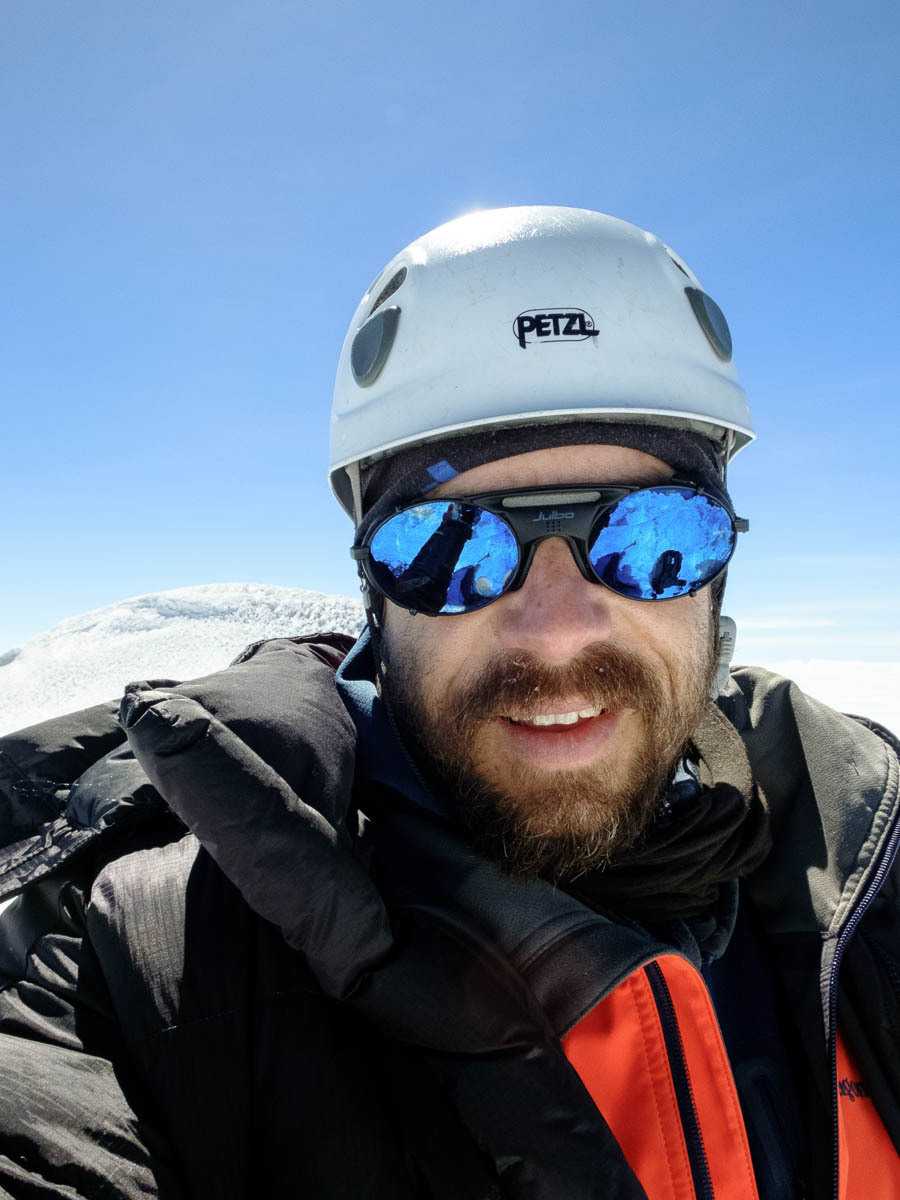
{"type": "Point", "coordinates": [531, 898]}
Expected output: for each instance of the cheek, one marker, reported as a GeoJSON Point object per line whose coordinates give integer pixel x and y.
{"type": "Point", "coordinates": [699, 642]}
{"type": "Point", "coordinates": [678, 631]}
{"type": "Point", "coordinates": [437, 651]}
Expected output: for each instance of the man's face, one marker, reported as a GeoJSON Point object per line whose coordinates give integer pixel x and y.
{"type": "Point", "coordinates": [553, 799]}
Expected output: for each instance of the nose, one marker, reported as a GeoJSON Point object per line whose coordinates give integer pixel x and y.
{"type": "Point", "coordinates": [556, 613]}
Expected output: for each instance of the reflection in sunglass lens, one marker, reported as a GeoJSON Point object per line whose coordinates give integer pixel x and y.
{"type": "Point", "coordinates": [660, 543]}
{"type": "Point", "coordinates": [443, 556]}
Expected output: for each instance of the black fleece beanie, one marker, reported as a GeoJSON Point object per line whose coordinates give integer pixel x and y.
{"type": "Point", "coordinates": [409, 474]}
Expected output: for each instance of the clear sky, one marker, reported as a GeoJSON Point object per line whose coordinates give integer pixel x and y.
{"type": "Point", "coordinates": [195, 196]}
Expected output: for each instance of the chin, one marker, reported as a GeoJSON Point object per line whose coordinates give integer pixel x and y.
{"type": "Point", "coordinates": [557, 825]}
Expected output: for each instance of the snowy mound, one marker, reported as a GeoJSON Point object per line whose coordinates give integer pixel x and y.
{"type": "Point", "coordinates": [177, 634]}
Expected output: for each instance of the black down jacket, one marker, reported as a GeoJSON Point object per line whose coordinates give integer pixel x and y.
{"type": "Point", "coordinates": [159, 1037]}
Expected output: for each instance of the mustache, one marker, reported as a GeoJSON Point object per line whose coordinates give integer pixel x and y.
{"type": "Point", "coordinates": [602, 674]}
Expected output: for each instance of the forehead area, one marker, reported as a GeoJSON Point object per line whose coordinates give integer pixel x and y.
{"type": "Point", "coordinates": [560, 464]}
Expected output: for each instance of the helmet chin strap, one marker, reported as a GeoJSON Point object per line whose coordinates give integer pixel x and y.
{"type": "Point", "coordinates": [727, 627]}
{"type": "Point", "coordinates": [353, 474]}
{"type": "Point", "coordinates": [727, 638]}
{"type": "Point", "coordinates": [373, 606]}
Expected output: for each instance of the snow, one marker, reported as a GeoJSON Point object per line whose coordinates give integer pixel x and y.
{"type": "Point", "coordinates": [867, 689]}
{"type": "Point", "coordinates": [186, 632]}
{"type": "Point", "coordinates": [176, 634]}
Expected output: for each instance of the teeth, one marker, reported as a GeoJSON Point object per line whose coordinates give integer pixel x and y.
{"type": "Point", "coordinates": [568, 718]}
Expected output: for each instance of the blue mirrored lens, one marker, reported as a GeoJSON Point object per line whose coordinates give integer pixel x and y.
{"type": "Point", "coordinates": [663, 542]}
{"type": "Point", "coordinates": [443, 556]}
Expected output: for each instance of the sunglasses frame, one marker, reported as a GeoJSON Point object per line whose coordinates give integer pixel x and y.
{"type": "Point", "coordinates": [575, 512]}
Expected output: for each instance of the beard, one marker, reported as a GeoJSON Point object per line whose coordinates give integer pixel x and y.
{"type": "Point", "coordinates": [556, 824]}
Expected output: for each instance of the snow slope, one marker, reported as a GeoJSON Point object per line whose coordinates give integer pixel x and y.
{"type": "Point", "coordinates": [191, 631]}
{"type": "Point", "coordinates": [177, 634]}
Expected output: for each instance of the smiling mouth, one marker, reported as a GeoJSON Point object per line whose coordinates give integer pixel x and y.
{"type": "Point", "coordinates": [544, 720]}
{"type": "Point", "coordinates": [569, 739]}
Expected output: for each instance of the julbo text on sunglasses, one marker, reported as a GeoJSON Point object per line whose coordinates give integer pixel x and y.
{"type": "Point", "coordinates": [451, 556]}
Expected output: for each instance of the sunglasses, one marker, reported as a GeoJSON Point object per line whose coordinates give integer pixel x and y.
{"type": "Point", "coordinates": [446, 557]}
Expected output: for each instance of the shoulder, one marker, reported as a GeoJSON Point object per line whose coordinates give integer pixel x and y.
{"type": "Point", "coordinates": [797, 745]}
{"type": "Point", "coordinates": [831, 782]}
{"type": "Point", "coordinates": [278, 694]}
{"type": "Point", "coordinates": [71, 792]}
{"type": "Point", "coordinates": [759, 699]}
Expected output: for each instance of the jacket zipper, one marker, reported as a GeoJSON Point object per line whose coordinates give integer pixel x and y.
{"type": "Point", "coordinates": [687, 1109]}
{"type": "Point", "coordinates": [887, 861]}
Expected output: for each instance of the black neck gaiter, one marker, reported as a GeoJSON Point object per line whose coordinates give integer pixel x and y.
{"type": "Point", "coordinates": [704, 838]}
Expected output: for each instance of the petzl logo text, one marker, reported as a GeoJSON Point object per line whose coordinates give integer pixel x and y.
{"type": "Point", "coordinates": [553, 325]}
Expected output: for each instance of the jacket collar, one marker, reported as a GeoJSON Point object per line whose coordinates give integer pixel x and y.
{"type": "Point", "coordinates": [381, 756]}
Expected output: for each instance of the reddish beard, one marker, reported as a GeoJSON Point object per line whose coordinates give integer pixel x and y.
{"type": "Point", "coordinates": [560, 823]}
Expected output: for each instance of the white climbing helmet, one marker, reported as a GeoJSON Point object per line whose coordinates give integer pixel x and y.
{"type": "Point", "coordinates": [526, 315]}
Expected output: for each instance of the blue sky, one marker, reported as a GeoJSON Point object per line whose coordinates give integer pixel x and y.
{"type": "Point", "coordinates": [195, 196]}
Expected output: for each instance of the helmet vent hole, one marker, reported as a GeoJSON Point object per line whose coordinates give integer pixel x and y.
{"type": "Point", "coordinates": [372, 345]}
{"type": "Point", "coordinates": [712, 321]}
{"type": "Point", "coordinates": [393, 284]}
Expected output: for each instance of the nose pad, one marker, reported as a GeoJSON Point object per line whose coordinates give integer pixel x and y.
{"type": "Point", "coordinates": [557, 554]}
